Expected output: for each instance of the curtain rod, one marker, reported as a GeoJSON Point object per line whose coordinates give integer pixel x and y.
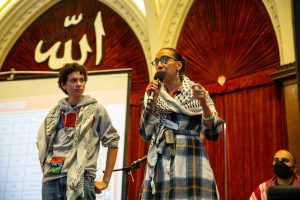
{"type": "Point", "coordinates": [13, 72]}
{"type": "Point", "coordinates": [27, 72]}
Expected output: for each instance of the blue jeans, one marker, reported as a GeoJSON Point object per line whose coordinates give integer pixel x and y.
{"type": "Point", "coordinates": [56, 189]}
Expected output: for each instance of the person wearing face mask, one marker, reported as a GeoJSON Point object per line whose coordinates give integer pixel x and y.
{"type": "Point", "coordinates": [284, 168]}
{"type": "Point", "coordinates": [176, 119]}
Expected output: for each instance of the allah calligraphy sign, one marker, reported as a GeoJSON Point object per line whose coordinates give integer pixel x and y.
{"type": "Point", "coordinates": [51, 55]}
{"type": "Point", "coordinates": [84, 31]}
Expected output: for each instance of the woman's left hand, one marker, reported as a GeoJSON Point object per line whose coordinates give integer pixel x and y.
{"type": "Point", "coordinates": [199, 93]}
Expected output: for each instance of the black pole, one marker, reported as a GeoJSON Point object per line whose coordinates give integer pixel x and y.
{"type": "Point", "coordinates": [127, 172]}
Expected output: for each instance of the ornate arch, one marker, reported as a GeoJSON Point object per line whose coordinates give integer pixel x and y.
{"type": "Point", "coordinates": [174, 21]}
{"type": "Point", "coordinates": [273, 13]}
{"type": "Point", "coordinates": [16, 19]}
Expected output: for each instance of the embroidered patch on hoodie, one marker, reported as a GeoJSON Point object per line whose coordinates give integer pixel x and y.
{"type": "Point", "coordinates": [56, 165]}
{"type": "Point", "coordinates": [69, 119]}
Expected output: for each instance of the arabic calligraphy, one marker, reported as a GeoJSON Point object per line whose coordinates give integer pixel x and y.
{"type": "Point", "coordinates": [56, 63]}
{"type": "Point", "coordinates": [99, 30]}
{"type": "Point", "coordinates": [73, 20]}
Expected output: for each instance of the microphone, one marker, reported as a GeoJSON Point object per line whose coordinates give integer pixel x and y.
{"type": "Point", "coordinates": [159, 76]}
{"type": "Point", "coordinates": [137, 162]}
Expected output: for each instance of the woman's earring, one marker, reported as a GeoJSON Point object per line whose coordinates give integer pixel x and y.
{"type": "Point", "coordinates": [177, 74]}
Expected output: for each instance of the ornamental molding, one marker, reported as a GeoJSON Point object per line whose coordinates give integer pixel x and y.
{"type": "Point", "coordinates": [286, 73]}
{"type": "Point", "coordinates": [134, 17]}
{"type": "Point", "coordinates": [19, 16]}
{"type": "Point", "coordinates": [273, 13]}
{"type": "Point", "coordinates": [176, 20]}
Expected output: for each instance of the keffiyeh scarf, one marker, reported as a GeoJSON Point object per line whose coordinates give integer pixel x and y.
{"type": "Point", "coordinates": [182, 103]}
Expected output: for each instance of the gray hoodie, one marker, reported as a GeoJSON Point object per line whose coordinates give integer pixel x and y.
{"type": "Point", "coordinates": [69, 140]}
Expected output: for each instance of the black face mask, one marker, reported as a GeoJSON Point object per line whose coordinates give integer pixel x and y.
{"type": "Point", "coordinates": [282, 170]}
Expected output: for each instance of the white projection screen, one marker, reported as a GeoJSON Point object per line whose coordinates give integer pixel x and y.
{"type": "Point", "coordinates": [23, 106]}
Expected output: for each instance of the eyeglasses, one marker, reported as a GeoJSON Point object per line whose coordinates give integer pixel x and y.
{"type": "Point", "coordinates": [163, 60]}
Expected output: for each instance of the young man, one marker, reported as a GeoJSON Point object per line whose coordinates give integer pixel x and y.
{"type": "Point", "coordinates": [284, 167]}
{"type": "Point", "coordinates": [69, 141]}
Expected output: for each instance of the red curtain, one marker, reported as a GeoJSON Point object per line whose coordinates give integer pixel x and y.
{"type": "Point", "coordinates": [232, 38]}
{"type": "Point", "coordinates": [136, 147]}
{"type": "Point", "coordinates": [254, 132]}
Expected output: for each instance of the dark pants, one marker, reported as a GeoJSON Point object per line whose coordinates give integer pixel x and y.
{"type": "Point", "coordinates": [56, 189]}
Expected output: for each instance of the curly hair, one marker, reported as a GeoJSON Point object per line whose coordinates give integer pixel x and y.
{"type": "Point", "coordinates": [68, 69]}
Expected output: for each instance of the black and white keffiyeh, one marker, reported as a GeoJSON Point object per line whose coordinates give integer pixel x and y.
{"type": "Point", "coordinates": [181, 103]}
